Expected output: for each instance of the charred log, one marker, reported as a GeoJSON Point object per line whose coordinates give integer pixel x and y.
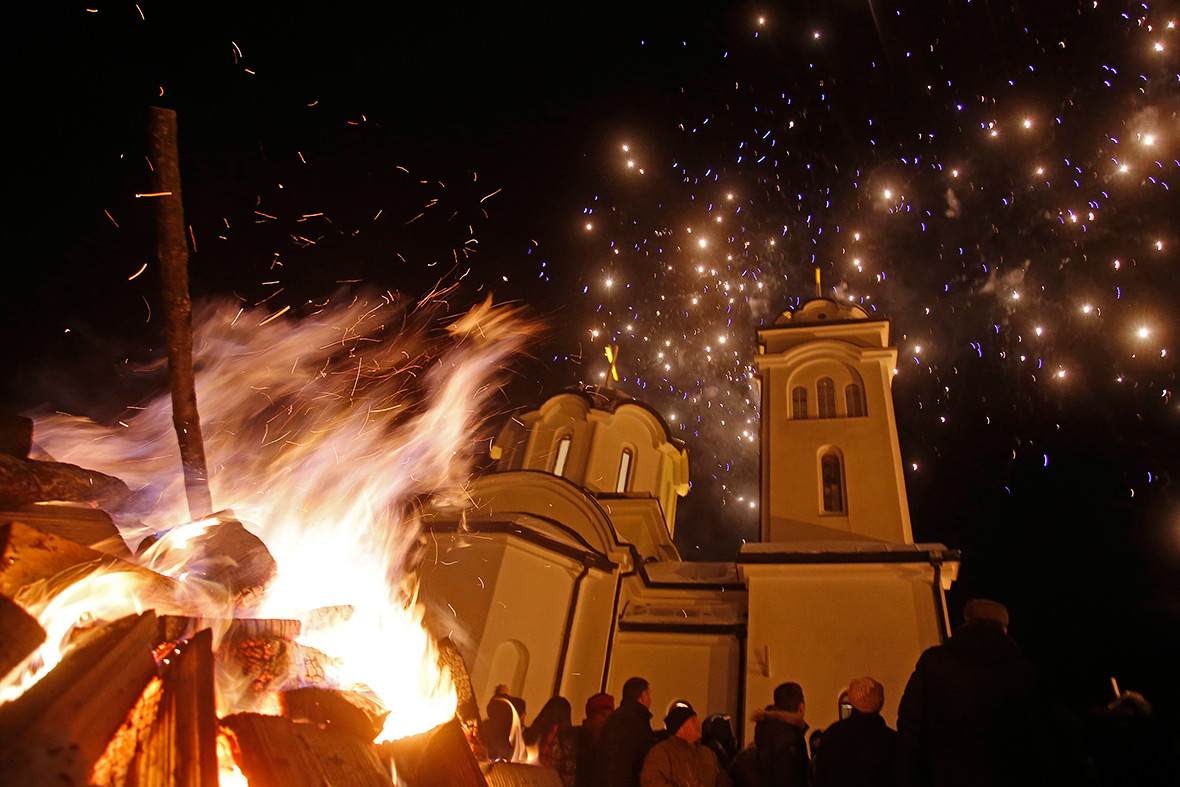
{"type": "Point", "coordinates": [25, 481]}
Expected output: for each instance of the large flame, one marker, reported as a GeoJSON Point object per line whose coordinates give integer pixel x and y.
{"type": "Point", "coordinates": [323, 434]}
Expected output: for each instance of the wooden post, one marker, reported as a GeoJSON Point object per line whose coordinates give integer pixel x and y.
{"type": "Point", "coordinates": [172, 251]}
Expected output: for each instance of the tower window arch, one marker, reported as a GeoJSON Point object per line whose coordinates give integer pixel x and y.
{"type": "Point", "coordinates": [624, 478]}
{"type": "Point", "coordinates": [831, 466]}
{"type": "Point", "coordinates": [563, 453]}
{"type": "Point", "coordinates": [798, 402]}
{"type": "Point", "coordinates": [854, 400]}
{"type": "Point", "coordinates": [825, 398]}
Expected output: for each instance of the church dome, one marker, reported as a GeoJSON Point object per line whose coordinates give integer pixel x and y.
{"type": "Point", "coordinates": [822, 310]}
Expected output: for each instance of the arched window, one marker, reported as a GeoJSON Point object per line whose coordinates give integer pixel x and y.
{"type": "Point", "coordinates": [563, 453]}
{"type": "Point", "coordinates": [832, 473]}
{"type": "Point", "coordinates": [624, 471]}
{"type": "Point", "coordinates": [854, 400]}
{"type": "Point", "coordinates": [825, 398]}
{"type": "Point", "coordinates": [799, 402]}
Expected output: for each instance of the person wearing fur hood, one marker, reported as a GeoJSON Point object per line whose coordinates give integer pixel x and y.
{"type": "Point", "coordinates": [778, 757]}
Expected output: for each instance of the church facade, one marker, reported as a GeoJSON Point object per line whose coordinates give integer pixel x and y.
{"type": "Point", "coordinates": [560, 576]}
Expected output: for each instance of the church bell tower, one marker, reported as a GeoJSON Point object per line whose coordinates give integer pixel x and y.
{"type": "Point", "coordinates": [831, 464]}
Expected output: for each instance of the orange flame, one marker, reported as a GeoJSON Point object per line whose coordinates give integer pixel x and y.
{"type": "Point", "coordinates": [323, 435]}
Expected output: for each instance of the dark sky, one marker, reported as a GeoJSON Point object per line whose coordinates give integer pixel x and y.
{"type": "Point", "coordinates": [1019, 263]}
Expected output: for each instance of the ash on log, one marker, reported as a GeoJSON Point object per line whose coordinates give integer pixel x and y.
{"type": "Point", "coordinates": [59, 728]}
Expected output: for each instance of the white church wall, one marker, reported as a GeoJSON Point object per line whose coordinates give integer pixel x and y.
{"type": "Point", "coordinates": [702, 668]}
{"type": "Point", "coordinates": [823, 625]}
{"type": "Point", "coordinates": [590, 637]}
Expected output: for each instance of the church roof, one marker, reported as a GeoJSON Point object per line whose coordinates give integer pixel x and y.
{"type": "Point", "coordinates": [610, 399]}
{"type": "Point", "coordinates": [821, 310]}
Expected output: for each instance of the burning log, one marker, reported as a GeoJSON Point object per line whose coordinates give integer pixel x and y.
{"type": "Point", "coordinates": [335, 709]}
{"type": "Point", "coordinates": [22, 634]}
{"type": "Point", "coordinates": [276, 752]}
{"type": "Point", "coordinates": [58, 729]}
{"type": "Point", "coordinates": [438, 758]}
{"type": "Point", "coordinates": [28, 556]}
{"type": "Point", "coordinates": [83, 525]}
{"type": "Point", "coordinates": [515, 774]}
{"type": "Point", "coordinates": [24, 481]}
{"type": "Point", "coordinates": [182, 750]}
{"type": "Point", "coordinates": [224, 552]}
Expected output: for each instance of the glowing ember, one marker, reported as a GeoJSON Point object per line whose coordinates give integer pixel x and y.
{"type": "Point", "coordinates": [322, 434]}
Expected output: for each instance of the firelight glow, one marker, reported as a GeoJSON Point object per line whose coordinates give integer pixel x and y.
{"type": "Point", "coordinates": [323, 433]}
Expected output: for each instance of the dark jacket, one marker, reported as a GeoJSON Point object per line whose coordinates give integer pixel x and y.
{"type": "Point", "coordinates": [624, 742]}
{"type": "Point", "coordinates": [778, 757]}
{"type": "Point", "coordinates": [860, 751]}
{"type": "Point", "coordinates": [966, 718]}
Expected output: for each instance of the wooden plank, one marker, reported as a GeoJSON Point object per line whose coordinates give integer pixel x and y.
{"type": "Point", "coordinates": [439, 758]}
{"type": "Point", "coordinates": [273, 751]}
{"type": "Point", "coordinates": [186, 739]}
{"type": "Point", "coordinates": [90, 527]}
{"type": "Point", "coordinates": [27, 556]}
{"type": "Point", "coordinates": [341, 710]}
{"type": "Point", "coordinates": [58, 729]}
{"type": "Point", "coordinates": [20, 634]}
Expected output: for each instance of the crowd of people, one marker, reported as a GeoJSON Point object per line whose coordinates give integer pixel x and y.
{"type": "Point", "coordinates": [968, 717]}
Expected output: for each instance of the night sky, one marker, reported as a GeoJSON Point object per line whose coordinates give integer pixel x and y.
{"type": "Point", "coordinates": [997, 177]}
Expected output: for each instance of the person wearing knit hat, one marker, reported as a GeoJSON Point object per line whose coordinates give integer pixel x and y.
{"type": "Point", "coordinates": [859, 750]}
{"type": "Point", "coordinates": [598, 708]}
{"type": "Point", "coordinates": [866, 695]}
{"type": "Point", "coordinates": [968, 713]}
{"type": "Point", "coordinates": [680, 760]}
{"type": "Point", "coordinates": [679, 713]}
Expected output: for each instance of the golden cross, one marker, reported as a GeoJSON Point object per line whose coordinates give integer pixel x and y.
{"type": "Point", "coordinates": [612, 355]}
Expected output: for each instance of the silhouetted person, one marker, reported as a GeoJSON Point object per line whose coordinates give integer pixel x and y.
{"type": "Point", "coordinates": [598, 710]}
{"type": "Point", "coordinates": [966, 718]}
{"type": "Point", "coordinates": [778, 757]}
{"type": "Point", "coordinates": [553, 737]}
{"type": "Point", "coordinates": [861, 750]}
{"type": "Point", "coordinates": [626, 737]}
{"type": "Point", "coordinates": [1126, 745]}
{"type": "Point", "coordinates": [502, 733]}
{"type": "Point", "coordinates": [717, 734]}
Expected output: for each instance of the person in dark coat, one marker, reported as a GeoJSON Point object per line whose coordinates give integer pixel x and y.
{"type": "Point", "coordinates": [717, 734]}
{"type": "Point", "coordinates": [778, 757]}
{"type": "Point", "coordinates": [861, 750]}
{"type": "Point", "coordinates": [626, 738]}
{"type": "Point", "coordinates": [966, 718]}
{"type": "Point", "coordinates": [598, 710]}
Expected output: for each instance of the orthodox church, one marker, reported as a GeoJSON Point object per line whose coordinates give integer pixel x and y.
{"type": "Point", "coordinates": [561, 576]}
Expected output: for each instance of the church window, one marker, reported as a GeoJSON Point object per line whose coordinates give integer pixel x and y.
{"type": "Point", "coordinates": [799, 402]}
{"type": "Point", "coordinates": [825, 398]}
{"type": "Point", "coordinates": [563, 453]}
{"type": "Point", "coordinates": [832, 471]}
{"type": "Point", "coordinates": [624, 471]}
{"type": "Point", "coordinates": [854, 399]}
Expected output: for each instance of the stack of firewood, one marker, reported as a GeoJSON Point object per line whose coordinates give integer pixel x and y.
{"type": "Point", "coordinates": [133, 701]}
